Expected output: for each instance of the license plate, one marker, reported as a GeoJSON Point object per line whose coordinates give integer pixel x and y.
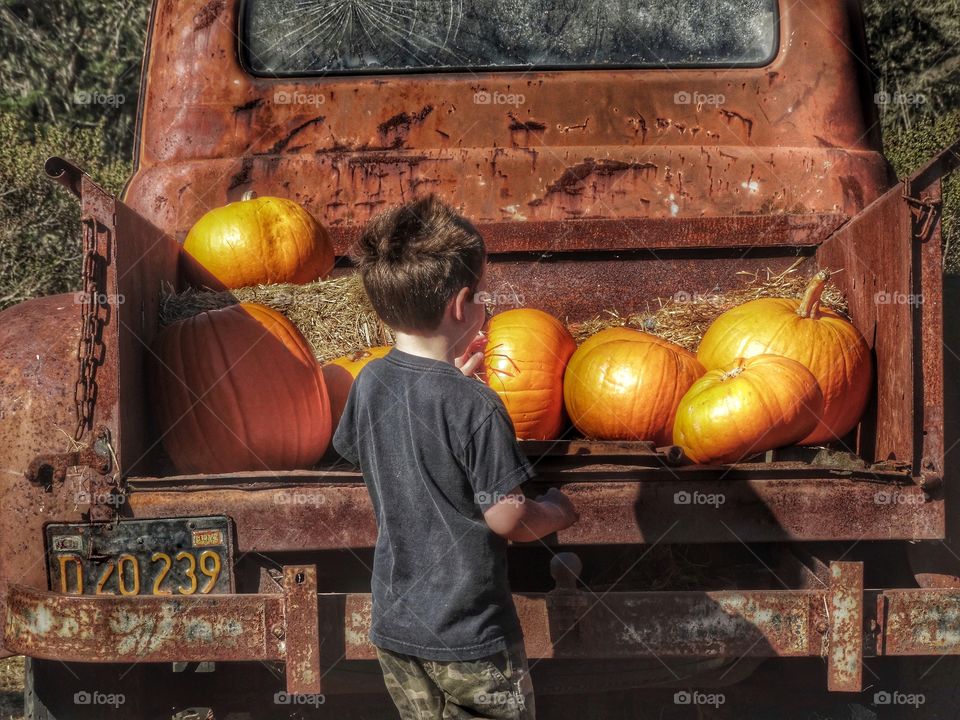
{"type": "Point", "coordinates": [176, 556]}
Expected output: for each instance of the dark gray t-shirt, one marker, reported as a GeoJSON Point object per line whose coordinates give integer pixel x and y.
{"type": "Point", "coordinates": [436, 449]}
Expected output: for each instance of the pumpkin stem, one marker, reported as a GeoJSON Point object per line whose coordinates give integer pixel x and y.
{"type": "Point", "coordinates": [810, 304]}
{"type": "Point", "coordinates": [733, 372]}
{"type": "Point", "coordinates": [249, 195]}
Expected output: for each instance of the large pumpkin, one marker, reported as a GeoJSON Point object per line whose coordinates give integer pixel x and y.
{"type": "Point", "coordinates": [526, 354]}
{"type": "Point", "coordinates": [628, 389]}
{"type": "Point", "coordinates": [238, 389]}
{"type": "Point", "coordinates": [817, 337]}
{"type": "Point", "coordinates": [258, 240]}
{"type": "Point", "coordinates": [339, 375]}
{"type": "Point", "coordinates": [748, 407]}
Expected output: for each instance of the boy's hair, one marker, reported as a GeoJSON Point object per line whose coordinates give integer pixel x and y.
{"type": "Point", "coordinates": [414, 258]}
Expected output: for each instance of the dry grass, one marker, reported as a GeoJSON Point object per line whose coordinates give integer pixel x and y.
{"type": "Point", "coordinates": [683, 318]}
{"type": "Point", "coordinates": [11, 688]}
{"type": "Point", "coordinates": [336, 318]}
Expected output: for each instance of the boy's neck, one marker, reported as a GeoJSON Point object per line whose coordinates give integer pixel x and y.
{"type": "Point", "coordinates": [435, 347]}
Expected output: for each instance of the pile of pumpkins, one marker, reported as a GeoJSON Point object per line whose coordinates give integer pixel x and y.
{"type": "Point", "coordinates": [238, 389]}
{"type": "Point", "coordinates": [768, 373]}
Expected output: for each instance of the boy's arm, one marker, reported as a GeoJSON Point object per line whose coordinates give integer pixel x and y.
{"type": "Point", "coordinates": [516, 517]}
{"type": "Point", "coordinates": [497, 468]}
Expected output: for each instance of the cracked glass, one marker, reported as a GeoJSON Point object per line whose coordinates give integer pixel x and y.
{"type": "Point", "coordinates": [311, 37]}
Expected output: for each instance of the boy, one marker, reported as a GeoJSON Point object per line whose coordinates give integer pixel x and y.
{"type": "Point", "coordinates": [440, 459]}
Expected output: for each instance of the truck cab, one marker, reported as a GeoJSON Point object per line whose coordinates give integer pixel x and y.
{"type": "Point", "coordinates": [610, 158]}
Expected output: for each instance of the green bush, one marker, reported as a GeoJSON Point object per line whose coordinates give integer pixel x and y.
{"type": "Point", "coordinates": [908, 150]}
{"type": "Point", "coordinates": [39, 219]}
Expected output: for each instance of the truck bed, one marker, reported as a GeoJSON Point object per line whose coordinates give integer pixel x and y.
{"type": "Point", "coordinates": [881, 482]}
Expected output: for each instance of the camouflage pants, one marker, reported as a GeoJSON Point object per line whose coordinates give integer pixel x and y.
{"type": "Point", "coordinates": [497, 687]}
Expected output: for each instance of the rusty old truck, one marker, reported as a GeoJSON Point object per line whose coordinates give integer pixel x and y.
{"type": "Point", "coordinates": [610, 158]}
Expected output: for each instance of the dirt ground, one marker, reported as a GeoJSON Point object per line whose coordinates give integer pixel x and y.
{"type": "Point", "coordinates": [11, 689]}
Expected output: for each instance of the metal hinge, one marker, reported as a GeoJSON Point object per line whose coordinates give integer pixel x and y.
{"type": "Point", "coordinates": [925, 211]}
{"type": "Point", "coordinates": [45, 469]}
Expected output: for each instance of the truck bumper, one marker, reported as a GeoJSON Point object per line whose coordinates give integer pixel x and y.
{"type": "Point", "coordinates": [310, 632]}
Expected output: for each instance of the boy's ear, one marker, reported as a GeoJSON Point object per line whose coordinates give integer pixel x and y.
{"type": "Point", "coordinates": [459, 303]}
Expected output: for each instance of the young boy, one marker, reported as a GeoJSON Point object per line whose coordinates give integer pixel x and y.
{"type": "Point", "coordinates": [440, 459]}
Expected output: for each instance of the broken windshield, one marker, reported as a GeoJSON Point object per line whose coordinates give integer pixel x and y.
{"type": "Point", "coordinates": [310, 37]}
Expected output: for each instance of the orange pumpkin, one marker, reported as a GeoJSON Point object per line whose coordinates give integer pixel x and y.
{"type": "Point", "coordinates": [751, 406]}
{"type": "Point", "coordinates": [628, 389]}
{"type": "Point", "coordinates": [526, 354]}
{"type": "Point", "coordinates": [817, 337]}
{"type": "Point", "coordinates": [619, 332]}
{"type": "Point", "coordinates": [256, 241]}
{"type": "Point", "coordinates": [339, 375]}
{"type": "Point", "coordinates": [238, 389]}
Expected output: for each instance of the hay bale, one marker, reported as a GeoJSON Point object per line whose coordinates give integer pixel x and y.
{"type": "Point", "coordinates": [335, 315]}
{"type": "Point", "coordinates": [683, 319]}
{"type": "Point", "coordinates": [336, 318]}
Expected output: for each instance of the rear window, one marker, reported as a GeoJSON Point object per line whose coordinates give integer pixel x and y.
{"type": "Point", "coordinates": [318, 37]}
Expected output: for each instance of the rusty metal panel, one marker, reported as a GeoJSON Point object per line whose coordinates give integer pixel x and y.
{"type": "Point", "coordinates": [615, 507]}
{"type": "Point", "coordinates": [733, 231]}
{"type": "Point", "coordinates": [875, 252]}
{"type": "Point", "coordinates": [585, 625]}
{"type": "Point", "coordinates": [301, 631]}
{"type": "Point", "coordinates": [581, 286]}
{"type": "Point", "coordinates": [145, 261]}
{"type": "Point", "coordinates": [590, 143]}
{"type": "Point", "coordinates": [921, 622]}
{"type": "Point", "coordinates": [78, 628]}
{"type": "Point", "coordinates": [845, 623]}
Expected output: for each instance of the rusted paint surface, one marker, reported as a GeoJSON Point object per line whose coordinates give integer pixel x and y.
{"type": "Point", "coordinates": [75, 628]}
{"type": "Point", "coordinates": [614, 508]}
{"type": "Point", "coordinates": [735, 231]}
{"type": "Point", "coordinates": [654, 624]}
{"type": "Point", "coordinates": [921, 622]}
{"type": "Point", "coordinates": [876, 253]}
{"type": "Point", "coordinates": [789, 138]}
{"type": "Point", "coordinates": [301, 630]}
{"type": "Point", "coordinates": [146, 261]}
{"type": "Point", "coordinates": [845, 627]}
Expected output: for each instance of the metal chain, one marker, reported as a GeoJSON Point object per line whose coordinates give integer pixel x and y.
{"type": "Point", "coordinates": [90, 350]}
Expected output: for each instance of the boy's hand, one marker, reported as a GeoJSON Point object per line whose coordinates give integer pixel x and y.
{"type": "Point", "coordinates": [567, 514]}
{"type": "Point", "coordinates": [472, 358]}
